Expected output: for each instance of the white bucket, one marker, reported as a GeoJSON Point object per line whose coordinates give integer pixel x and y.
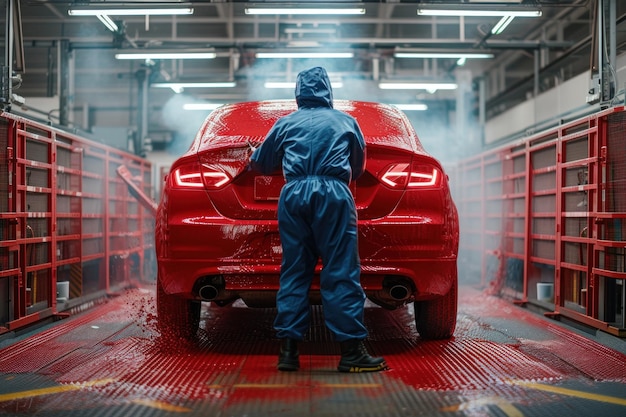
{"type": "Point", "coordinates": [63, 291]}
{"type": "Point", "coordinates": [545, 291]}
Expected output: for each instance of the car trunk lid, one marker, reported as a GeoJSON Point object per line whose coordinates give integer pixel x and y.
{"type": "Point", "coordinates": [224, 145]}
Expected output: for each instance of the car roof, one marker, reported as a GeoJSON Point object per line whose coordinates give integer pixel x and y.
{"type": "Point", "coordinates": [240, 123]}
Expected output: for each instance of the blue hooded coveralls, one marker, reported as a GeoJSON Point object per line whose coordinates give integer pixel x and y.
{"type": "Point", "coordinates": [321, 150]}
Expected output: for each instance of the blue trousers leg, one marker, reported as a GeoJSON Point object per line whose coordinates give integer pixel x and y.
{"type": "Point", "coordinates": [298, 266]}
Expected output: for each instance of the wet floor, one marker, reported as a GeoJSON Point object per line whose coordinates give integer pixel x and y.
{"type": "Point", "coordinates": [502, 361]}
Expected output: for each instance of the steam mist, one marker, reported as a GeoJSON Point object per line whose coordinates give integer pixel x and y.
{"type": "Point", "coordinates": [185, 123]}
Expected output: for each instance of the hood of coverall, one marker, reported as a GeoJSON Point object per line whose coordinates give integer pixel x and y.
{"type": "Point", "coordinates": [313, 89]}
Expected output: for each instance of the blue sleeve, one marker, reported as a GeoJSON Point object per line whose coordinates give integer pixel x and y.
{"type": "Point", "coordinates": [266, 158]}
{"type": "Point", "coordinates": [357, 153]}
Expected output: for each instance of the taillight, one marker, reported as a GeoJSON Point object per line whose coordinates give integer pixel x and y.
{"type": "Point", "coordinates": [196, 176]}
{"type": "Point", "coordinates": [404, 175]}
{"type": "Point", "coordinates": [214, 178]}
{"type": "Point", "coordinates": [187, 176]}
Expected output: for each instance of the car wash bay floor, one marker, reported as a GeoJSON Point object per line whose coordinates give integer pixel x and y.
{"type": "Point", "coordinates": [503, 360]}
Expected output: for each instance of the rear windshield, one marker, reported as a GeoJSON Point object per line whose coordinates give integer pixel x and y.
{"type": "Point", "coordinates": [249, 122]}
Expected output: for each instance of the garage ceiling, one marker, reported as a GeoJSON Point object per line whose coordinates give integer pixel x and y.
{"type": "Point", "coordinates": [556, 45]}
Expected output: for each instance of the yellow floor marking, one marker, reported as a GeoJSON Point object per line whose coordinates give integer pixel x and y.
{"type": "Point", "coordinates": [160, 405]}
{"type": "Point", "coordinates": [52, 390]}
{"type": "Point", "coordinates": [273, 386]}
{"type": "Point", "coordinates": [507, 408]}
{"type": "Point", "coordinates": [351, 385]}
{"type": "Point", "coordinates": [572, 393]}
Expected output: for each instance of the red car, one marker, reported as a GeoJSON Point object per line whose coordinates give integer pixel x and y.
{"type": "Point", "coordinates": [217, 231]}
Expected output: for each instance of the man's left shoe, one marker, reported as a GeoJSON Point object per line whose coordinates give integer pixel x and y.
{"type": "Point", "coordinates": [289, 358]}
{"type": "Point", "coordinates": [355, 358]}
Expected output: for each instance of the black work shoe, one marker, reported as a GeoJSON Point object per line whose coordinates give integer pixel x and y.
{"type": "Point", "coordinates": [289, 358]}
{"type": "Point", "coordinates": [355, 358]}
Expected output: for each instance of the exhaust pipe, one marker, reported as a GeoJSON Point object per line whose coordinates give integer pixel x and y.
{"type": "Point", "coordinates": [209, 287]}
{"type": "Point", "coordinates": [208, 292]}
{"type": "Point", "coordinates": [399, 292]}
{"type": "Point", "coordinates": [395, 292]}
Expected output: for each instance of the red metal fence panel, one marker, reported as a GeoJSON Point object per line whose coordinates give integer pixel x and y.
{"type": "Point", "coordinates": [70, 231]}
{"type": "Point", "coordinates": [546, 216]}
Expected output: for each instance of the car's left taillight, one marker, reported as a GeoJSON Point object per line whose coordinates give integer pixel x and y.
{"type": "Point", "coordinates": [413, 175]}
{"type": "Point", "coordinates": [192, 175]}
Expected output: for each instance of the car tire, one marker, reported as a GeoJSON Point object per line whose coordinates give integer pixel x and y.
{"type": "Point", "coordinates": [436, 319]}
{"type": "Point", "coordinates": [177, 316]}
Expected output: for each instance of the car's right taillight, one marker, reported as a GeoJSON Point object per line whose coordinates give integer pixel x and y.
{"type": "Point", "coordinates": [415, 175]}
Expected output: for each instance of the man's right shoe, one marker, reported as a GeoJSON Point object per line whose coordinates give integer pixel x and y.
{"type": "Point", "coordinates": [289, 358]}
{"type": "Point", "coordinates": [355, 358]}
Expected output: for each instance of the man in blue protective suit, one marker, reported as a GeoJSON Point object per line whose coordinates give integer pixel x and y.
{"type": "Point", "coordinates": [320, 150]}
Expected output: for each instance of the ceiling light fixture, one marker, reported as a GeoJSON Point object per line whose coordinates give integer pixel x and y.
{"type": "Point", "coordinates": [279, 84]}
{"type": "Point", "coordinates": [166, 55]}
{"type": "Point", "coordinates": [106, 21]}
{"type": "Point", "coordinates": [502, 24]}
{"type": "Point", "coordinates": [201, 106]}
{"type": "Point", "coordinates": [292, 84]}
{"type": "Point", "coordinates": [479, 12]}
{"type": "Point", "coordinates": [322, 55]}
{"type": "Point", "coordinates": [431, 87]}
{"type": "Point", "coordinates": [453, 55]}
{"type": "Point", "coordinates": [303, 44]}
{"type": "Point", "coordinates": [304, 11]}
{"type": "Point", "coordinates": [130, 12]}
{"type": "Point", "coordinates": [300, 31]}
{"type": "Point", "coordinates": [411, 107]}
{"type": "Point", "coordinates": [180, 87]}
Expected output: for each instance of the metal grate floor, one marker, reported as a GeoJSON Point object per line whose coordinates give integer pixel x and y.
{"type": "Point", "coordinates": [503, 361]}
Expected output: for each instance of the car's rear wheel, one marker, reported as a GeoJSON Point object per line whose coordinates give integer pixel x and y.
{"type": "Point", "coordinates": [436, 319]}
{"type": "Point", "coordinates": [177, 316]}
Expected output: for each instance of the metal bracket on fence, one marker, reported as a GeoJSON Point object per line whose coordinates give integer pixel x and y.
{"type": "Point", "coordinates": [135, 191]}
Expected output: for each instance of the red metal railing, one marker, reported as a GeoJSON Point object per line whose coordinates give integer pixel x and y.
{"type": "Point", "coordinates": [547, 218]}
{"type": "Point", "coordinates": [70, 231]}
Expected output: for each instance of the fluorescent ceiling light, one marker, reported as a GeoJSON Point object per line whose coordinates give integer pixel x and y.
{"type": "Point", "coordinates": [303, 44]}
{"type": "Point", "coordinates": [166, 55]}
{"type": "Point", "coordinates": [502, 24]}
{"type": "Point", "coordinates": [280, 84]}
{"type": "Point", "coordinates": [304, 55]}
{"type": "Point", "coordinates": [304, 11]}
{"type": "Point", "coordinates": [201, 106]}
{"type": "Point", "coordinates": [478, 12]}
{"type": "Point", "coordinates": [221, 84]}
{"type": "Point", "coordinates": [418, 86]}
{"type": "Point", "coordinates": [310, 30]}
{"type": "Point", "coordinates": [292, 84]}
{"type": "Point", "coordinates": [129, 12]}
{"type": "Point", "coordinates": [441, 55]}
{"type": "Point", "coordinates": [411, 107]}
{"type": "Point", "coordinates": [106, 21]}
{"type": "Point", "coordinates": [180, 87]}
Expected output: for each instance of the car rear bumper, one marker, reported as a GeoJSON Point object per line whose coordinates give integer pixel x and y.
{"type": "Point", "coordinates": [427, 277]}
{"type": "Point", "coordinates": [247, 256]}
